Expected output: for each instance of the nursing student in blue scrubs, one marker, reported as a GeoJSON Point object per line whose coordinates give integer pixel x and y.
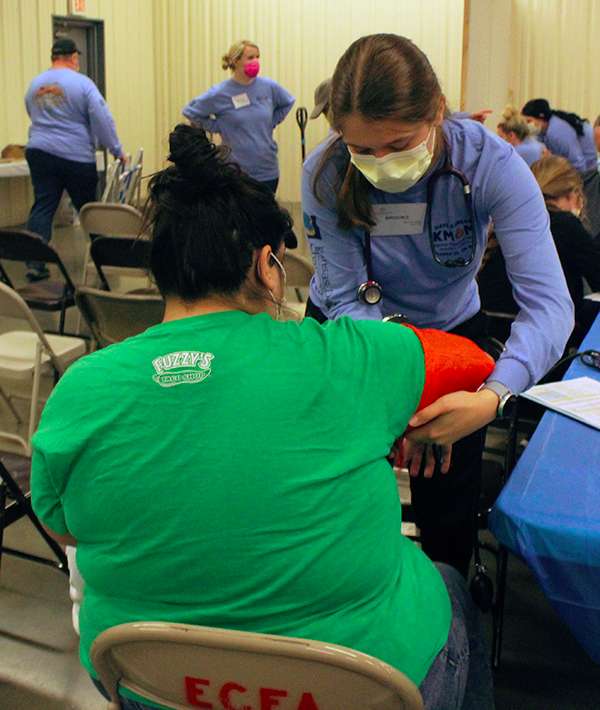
{"type": "Point", "coordinates": [424, 187]}
{"type": "Point", "coordinates": [564, 134]}
{"type": "Point", "coordinates": [571, 137]}
{"type": "Point", "coordinates": [514, 130]}
{"type": "Point", "coordinates": [244, 110]}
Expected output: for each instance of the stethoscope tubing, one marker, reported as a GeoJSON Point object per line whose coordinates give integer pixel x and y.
{"type": "Point", "coordinates": [371, 285]}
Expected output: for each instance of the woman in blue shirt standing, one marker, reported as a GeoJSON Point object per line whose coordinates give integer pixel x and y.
{"type": "Point", "coordinates": [515, 131]}
{"type": "Point", "coordinates": [244, 110]}
{"type": "Point", "coordinates": [396, 209]}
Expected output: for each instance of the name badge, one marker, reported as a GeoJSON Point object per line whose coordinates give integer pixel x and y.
{"type": "Point", "coordinates": [402, 219]}
{"type": "Point", "coordinates": [240, 100]}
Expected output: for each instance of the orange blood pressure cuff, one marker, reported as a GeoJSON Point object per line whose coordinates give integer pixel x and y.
{"type": "Point", "coordinates": [452, 364]}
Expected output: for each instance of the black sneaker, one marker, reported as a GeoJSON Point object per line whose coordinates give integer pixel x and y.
{"type": "Point", "coordinates": [37, 275]}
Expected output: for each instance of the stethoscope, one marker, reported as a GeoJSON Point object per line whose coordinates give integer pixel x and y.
{"type": "Point", "coordinates": [370, 292]}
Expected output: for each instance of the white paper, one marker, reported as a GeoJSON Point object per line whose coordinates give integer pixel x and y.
{"type": "Point", "coordinates": [593, 296]}
{"type": "Point", "coordinates": [240, 100]}
{"type": "Point", "coordinates": [402, 219]}
{"type": "Point", "coordinates": [578, 398]}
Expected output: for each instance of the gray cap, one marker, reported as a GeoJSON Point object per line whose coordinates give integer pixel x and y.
{"type": "Point", "coordinates": [321, 98]}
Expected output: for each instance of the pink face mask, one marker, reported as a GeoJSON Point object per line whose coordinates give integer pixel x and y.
{"type": "Point", "coordinates": [251, 68]}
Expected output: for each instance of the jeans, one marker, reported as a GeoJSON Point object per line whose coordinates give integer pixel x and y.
{"type": "Point", "coordinates": [51, 175]}
{"type": "Point", "coordinates": [460, 677]}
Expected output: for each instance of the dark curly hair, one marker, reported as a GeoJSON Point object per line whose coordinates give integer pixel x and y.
{"type": "Point", "coordinates": [207, 218]}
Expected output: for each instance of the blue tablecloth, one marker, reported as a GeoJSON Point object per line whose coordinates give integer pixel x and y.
{"type": "Point", "coordinates": [549, 513]}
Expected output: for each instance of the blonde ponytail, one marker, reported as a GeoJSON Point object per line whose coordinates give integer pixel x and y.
{"type": "Point", "coordinates": [235, 52]}
{"type": "Point", "coordinates": [513, 123]}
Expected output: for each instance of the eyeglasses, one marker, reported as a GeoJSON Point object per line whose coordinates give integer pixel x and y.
{"type": "Point", "coordinates": [591, 358]}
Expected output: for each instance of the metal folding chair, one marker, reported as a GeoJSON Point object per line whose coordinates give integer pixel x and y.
{"type": "Point", "coordinates": [127, 255]}
{"type": "Point", "coordinates": [184, 666]}
{"type": "Point", "coordinates": [299, 272]}
{"type": "Point", "coordinates": [113, 316]}
{"type": "Point", "coordinates": [48, 295]}
{"type": "Point", "coordinates": [26, 355]}
{"type": "Point", "coordinates": [15, 504]}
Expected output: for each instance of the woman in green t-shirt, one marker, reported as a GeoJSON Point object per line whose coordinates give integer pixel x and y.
{"type": "Point", "coordinates": [226, 469]}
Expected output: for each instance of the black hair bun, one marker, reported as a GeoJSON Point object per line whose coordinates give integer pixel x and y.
{"type": "Point", "coordinates": [199, 161]}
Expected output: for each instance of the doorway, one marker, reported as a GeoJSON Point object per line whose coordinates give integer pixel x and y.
{"type": "Point", "coordinates": [88, 35]}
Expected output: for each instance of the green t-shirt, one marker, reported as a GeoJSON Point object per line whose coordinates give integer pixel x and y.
{"type": "Point", "coordinates": [229, 470]}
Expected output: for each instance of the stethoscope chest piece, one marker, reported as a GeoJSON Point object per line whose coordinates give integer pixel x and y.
{"type": "Point", "coordinates": [370, 292]}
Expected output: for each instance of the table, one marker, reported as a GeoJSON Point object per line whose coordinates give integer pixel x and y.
{"type": "Point", "coordinates": [19, 168]}
{"type": "Point", "coordinates": [549, 513]}
{"type": "Point", "coordinates": [16, 195]}
{"type": "Point", "coordinates": [14, 168]}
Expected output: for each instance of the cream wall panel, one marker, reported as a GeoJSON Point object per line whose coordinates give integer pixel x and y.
{"type": "Point", "coordinates": [300, 44]}
{"type": "Point", "coordinates": [25, 34]}
{"type": "Point", "coordinates": [489, 62]}
{"type": "Point", "coordinates": [556, 54]}
{"type": "Point", "coordinates": [130, 78]}
{"type": "Point", "coordinates": [25, 41]}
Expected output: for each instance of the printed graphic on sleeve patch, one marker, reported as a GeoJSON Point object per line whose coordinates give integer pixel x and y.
{"type": "Point", "coordinates": [311, 227]}
{"type": "Point", "coordinates": [182, 368]}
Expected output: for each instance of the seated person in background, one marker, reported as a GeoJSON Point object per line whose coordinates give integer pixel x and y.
{"type": "Point", "coordinates": [226, 469]}
{"type": "Point", "coordinates": [514, 130]}
{"type": "Point", "coordinates": [578, 252]}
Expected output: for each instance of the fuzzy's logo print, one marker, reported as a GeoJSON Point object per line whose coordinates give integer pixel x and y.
{"type": "Point", "coordinates": [182, 368]}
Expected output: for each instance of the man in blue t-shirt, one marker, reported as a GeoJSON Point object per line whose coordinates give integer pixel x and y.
{"type": "Point", "coordinates": [69, 118]}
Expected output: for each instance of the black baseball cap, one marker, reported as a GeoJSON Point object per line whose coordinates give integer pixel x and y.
{"type": "Point", "coordinates": [64, 46]}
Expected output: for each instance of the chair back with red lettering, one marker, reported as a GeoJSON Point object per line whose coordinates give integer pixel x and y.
{"type": "Point", "coordinates": [184, 666]}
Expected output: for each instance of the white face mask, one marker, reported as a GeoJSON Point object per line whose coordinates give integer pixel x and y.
{"type": "Point", "coordinates": [279, 302]}
{"type": "Point", "coordinates": [395, 172]}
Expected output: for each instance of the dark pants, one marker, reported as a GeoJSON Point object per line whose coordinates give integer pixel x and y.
{"type": "Point", "coordinates": [445, 505]}
{"type": "Point", "coordinates": [50, 176]}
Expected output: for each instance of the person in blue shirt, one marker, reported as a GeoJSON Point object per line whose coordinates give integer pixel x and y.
{"type": "Point", "coordinates": [69, 118]}
{"type": "Point", "coordinates": [244, 110]}
{"type": "Point", "coordinates": [514, 130]}
{"type": "Point", "coordinates": [396, 209]}
{"type": "Point", "coordinates": [564, 134]}
{"type": "Point", "coordinates": [571, 137]}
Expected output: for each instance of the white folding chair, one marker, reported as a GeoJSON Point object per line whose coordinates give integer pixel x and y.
{"type": "Point", "coordinates": [113, 316]}
{"type": "Point", "coordinates": [298, 272]}
{"type": "Point", "coordinates": [26, 355]}
{"type": "Point", "coordinates": [134, 188]}
{"type": "Point", "coordinates": [183, 666]}
{"type": "Point", "coordinates": [123, 180]}
{"type": "Point", "coordinates": [110, 220]}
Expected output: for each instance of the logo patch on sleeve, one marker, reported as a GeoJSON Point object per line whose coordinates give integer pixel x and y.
{"type": "Point", "coordinates": [182, 368]}
{"type": "Point", "coordinates": [310, 226]}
